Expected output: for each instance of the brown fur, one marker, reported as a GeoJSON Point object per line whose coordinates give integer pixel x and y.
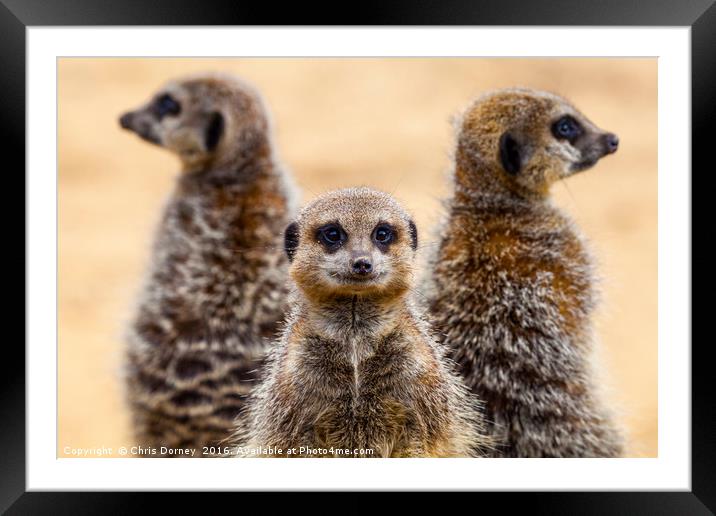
{"type": "Point", "coordinates": [216, 289]}
{"type": "Point", "coordinates": [512, 287]}
{"type": "Point", "coordinates": [356, 367]}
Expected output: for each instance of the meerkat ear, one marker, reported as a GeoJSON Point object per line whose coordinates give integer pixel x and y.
{"type": "Point", "coordinates": [413, 234]}
{"type": "Point", "coordinates": [290, 240]}
{"type": "Point", "coordinates": [510, 153]}
{"type": "Point", "coordinates": [213, 131]}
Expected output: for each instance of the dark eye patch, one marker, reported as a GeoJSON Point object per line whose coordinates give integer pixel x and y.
{"type": "Point", "coordinates": [383, 235]}
{"type": "Point", "coordinates": [166, 105]}
{"type": "Point", "coordinates": [567, 128]}
{"type": "Point", "coordinates": [331, 236]}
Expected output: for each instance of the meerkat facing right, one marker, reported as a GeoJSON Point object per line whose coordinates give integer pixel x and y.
{"type": "Point", "coordinates": [356, 368]}
{"type": "Point", "coordinates": [512, 286]}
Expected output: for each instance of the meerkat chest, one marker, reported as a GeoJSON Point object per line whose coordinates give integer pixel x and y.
{"type": "Point", "coordinates": [359, 350]}
{"type": "Point", "coordinates": [351, 366]}
{"type": "Point", "coordinates": [362, 397]}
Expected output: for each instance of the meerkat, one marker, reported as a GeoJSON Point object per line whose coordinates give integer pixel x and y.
{"type": "Point", "coordinates": [512, 284]}
{"type": "Point", "coordinates": [217, 282]}
{"type": "Point", "coordinates": [356, 372]}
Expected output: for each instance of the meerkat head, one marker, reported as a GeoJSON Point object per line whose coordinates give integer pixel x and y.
{"type": "Point", "coordinates": [534, 138]}
{"type": "Point", "coordinates": [356, 241]}
{"type": "Point", "coordinates": [208, 119]}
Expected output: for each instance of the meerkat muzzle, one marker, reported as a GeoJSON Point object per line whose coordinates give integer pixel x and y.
{"type": "Point", "coordinates": [611, 143]}
{"type": "Point", "coordinates": [362, 267]}
{"type": "Point", "coordinates": [125, 121]}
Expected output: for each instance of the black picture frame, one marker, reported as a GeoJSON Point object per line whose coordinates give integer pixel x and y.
{"type": "Point", "coordinates": [700, 15]}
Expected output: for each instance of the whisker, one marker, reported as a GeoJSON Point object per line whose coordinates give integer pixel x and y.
{"type": "Point", "coordinates": [400, 180]}
{"type": "Point", "coordinates": [419, 293]}
{"type": "Point", "coordinates": [429, 244]}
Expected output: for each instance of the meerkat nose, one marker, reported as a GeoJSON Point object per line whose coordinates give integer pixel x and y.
{"type": "Point", "coordinates": [126, 120]}
{"type": "Point", "coordinates": [612, 142]}
{"type": "Point", "coordinates": [362, 266]}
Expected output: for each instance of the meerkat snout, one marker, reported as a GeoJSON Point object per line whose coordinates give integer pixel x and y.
{"type": "Point", "coordinates": [362, 266]}
{"type": "Point", "coordinates": [125, 121]}
{"type": "Point", "coordinates": [611, 141]}
{"type": "Point", "coordinates": [579, 134]}
{"type": "Point", "coordinates": [146, 120]}
{"type": "Point", "coordinates": [140, 124]}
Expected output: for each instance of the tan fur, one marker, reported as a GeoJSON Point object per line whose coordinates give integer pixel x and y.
{"type": "Point", "coordinates": [512, 286]}
{"type": "Point", "coordinates": [217, 283]}
{"type": "Point", "coordinates": [356, 367]}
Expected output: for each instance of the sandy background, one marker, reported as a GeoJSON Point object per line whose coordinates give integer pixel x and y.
{"type": "Point", "coordinates": [380, 122]}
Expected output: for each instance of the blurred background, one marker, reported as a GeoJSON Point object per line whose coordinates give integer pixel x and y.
{"type": "Point", "coordinates": [384, 123]}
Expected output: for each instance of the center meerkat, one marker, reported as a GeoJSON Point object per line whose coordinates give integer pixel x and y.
{"type": "Point", "coordinates": [512, 289]}
{"type": "Point", "coordinates": [217, 284]}
{"type": "Point", "coordinates": [356, 368]}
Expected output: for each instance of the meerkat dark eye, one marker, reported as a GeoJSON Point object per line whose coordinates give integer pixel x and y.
{"type": "Point", "coordinates": [383, 234]}
{"type": "Point", "coordinates": [166, 105]}
{"type": "Point", "coordinates": [566, 128]}
{"type": "Point", "coordinates": [331, 235]}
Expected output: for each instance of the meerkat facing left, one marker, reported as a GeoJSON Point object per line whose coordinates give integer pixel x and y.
{"type": "Point", "coordinates": [512, 286]}
{"type": "Point", "coordinates": [217, 284]}
{"type": "Point", "coordinates": [356, 368]}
